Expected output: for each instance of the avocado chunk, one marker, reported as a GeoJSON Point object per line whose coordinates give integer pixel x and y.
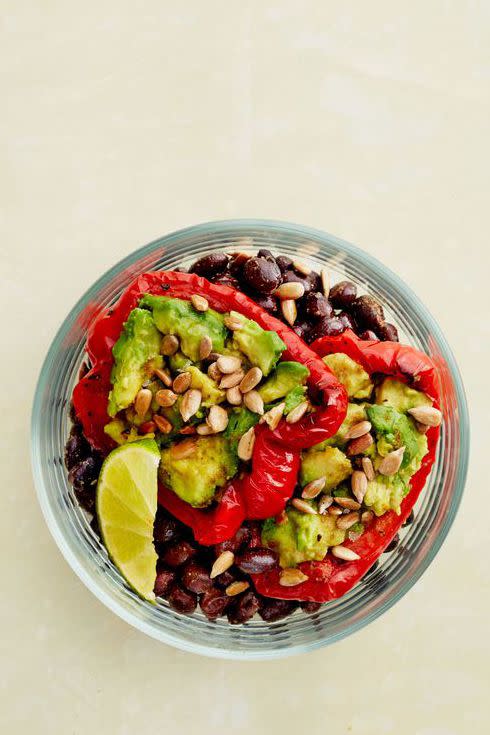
{"type": "Point", "coordinates": [400, 396]}
{"type": "Point", "coordinates": [394, 430]}
{"type": "Point", "coordinates": [211, 394]}
{"type": "Point", "coordinates": [294, 398]}
{"type": "Point", "coordinates": [356, 413]}
{"type": "Point", "coordinates": [302, 537]}
{"type": "Point", "coordinates": [240, 421]}
{"type": "Point", "coordinates": [385, 493]}
{"type": "Point", "coordinates": [197, 477]}
{"type": "Point", "coordinates": [286, 377]}
{"type": "Point", "coordinates": [353, 377]}
{"type": "Point", "coordinates": [138, 343]}
{"type": "Point", "coordinates": [330, 463]}
{"type": "Point", "coordinates": [176, 316]}
{"type": "Point", "coordinates": [263, 348]}
{"type": "Point", "coordinates": [121, 433]}
{"type": "Point", "coordinates": [178, 362]}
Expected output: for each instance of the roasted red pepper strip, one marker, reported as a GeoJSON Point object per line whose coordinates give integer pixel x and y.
{"type": "Point", "coordinates": [105, 331]}
{"type": "Point", "coordinates": [332, 578]}
{"type": "Point", "coordinates": [266, 489]}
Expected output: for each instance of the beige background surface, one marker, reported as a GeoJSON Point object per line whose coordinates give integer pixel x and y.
{"type": "Point", "coordinates": [369, 120]}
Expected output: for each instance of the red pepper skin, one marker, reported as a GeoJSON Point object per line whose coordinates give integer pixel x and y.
{"type": "Point", "coordinates": [106, 329]}
{"type": "Point", "coordinates": [332, 578]}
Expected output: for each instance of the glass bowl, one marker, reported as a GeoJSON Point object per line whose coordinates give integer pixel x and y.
{"type": "Point", "coordinates": [381, 587]}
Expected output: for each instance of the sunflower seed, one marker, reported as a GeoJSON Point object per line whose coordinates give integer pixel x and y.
{"type": "Point", "coordinates": [234, 396]}
{"type": "Point", "coordinates": [342, 552]}
{"type": "Point", "coordinates": [188, 430]}
{"type": "Point", "coordinates": [421, 428]}
{"type": "Point", "coordinates": [231, 380]}
{"type": "Point", "coordinates": [427, 415]}
{"type": "Point", "coordinates": [359, 483]}
{"type": "Point", "coordinates": [273, 416]}
{"type": "Point", "coordinates": [367, 516]}
{"type": "Point", "coordinates": [345, 522]}
{"type": "Point", "coordinates": [170, 345]}
{"type": "Point", "coordinates": [223, 562]}
{"type": "Point", "coordinates": [303, 506]}
{"type": "Point", "coordinates": [199, 302]}
{"type": "Point", "coordinates": [204, 430]}
{"type": "Point", "coordinates": [325, 281]}
{"type": "Point", "coordinates": [217, 419]}
{"type": "Point", "coordinates": [292, 290]}
{"type": "Point", "coordinates": [190, 403]}
{"type": "Point", "coordinates": [163, 424]}
{"type": "Point", "coordinates": [334, 510]}
{"type": "Point", "coordinates": [324, 504]}
{"type": "Point", "coordinates": [291, 577]}
{"type": "Point", "coordinates": [251, 379]}
{"type": "Point", "coordinates": [368, 468]}
{"type": "Point", "coordinates": [214, 372]}
{"type": "Point", "coordinates": [236, 588]}
{"type": "Point", "coordinates": [233, 322]}
{"type": "Point", "coordinates": [357, 430]}
{"type": "Point", "coordinates": [289, 310]}
{"type": "Point", "coordinates": [183, 449]}
{"type": "Point", "coordinates": [390, 464]}
{"type": "Point", "coordinates": [142, 401]}
{"type": "Point", "coordinates": [165, 397]}
{"type": "Point", "coordinates": [297, 413]}
{"type": "Point", "coordinates": [205, 347]}
{"type": "Point", "coordinates": [147, 428]}
{"type": "Point", "coordinates": [228, 364]}
{"type": "Point", "coordinates": [253, 401]}
{"type": "Point", "coordinates": [164, 376]}
{"type": "Point", "coordinates": [301, 267]}
{"type": "Point", "coordinates": [348, 503]}
{"type": "Point", "coordinates": [359, 445]}
{"type": "Point", "coordinates": [182, 382]}
{"type": "Point", "coordinates": [313, 488]}
{"type": "Point", "coordinates": [246, 445]}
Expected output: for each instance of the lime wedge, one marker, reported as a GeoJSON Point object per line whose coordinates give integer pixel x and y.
{"type": "Point", "coordinates": [126, 508]}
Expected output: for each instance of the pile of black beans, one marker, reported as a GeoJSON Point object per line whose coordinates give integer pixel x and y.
{"type": "Point", "coordinates": [318, 315]}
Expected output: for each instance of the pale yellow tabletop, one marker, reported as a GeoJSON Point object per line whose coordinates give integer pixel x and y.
{"type": "Point", "coordinates": [367, 119]}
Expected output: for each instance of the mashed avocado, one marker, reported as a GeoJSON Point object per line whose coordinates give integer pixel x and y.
{"type": "Point", "coordinates": [138, 343]}
{"type": "Point", "coordinates": [329, 462]}
{"type": "Point", "coordinates": [196, 478]}
{"type": "Point", "coordinates": [302, 537]}
{"type": "Point", "coordinates": [353, 377]}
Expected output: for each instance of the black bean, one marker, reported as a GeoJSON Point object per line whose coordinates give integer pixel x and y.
{"type": "Point", "coordinates": [178, 553]}
{"type": "Point", "coordinates": [210, 265]}
{"type": "Point", "coordinates": [301, 329]}
{"type": "Point", "coordinates": [393, 544]}
{"type": "Point", "coordinates": [310, 607]}
{"type": "Point", "coordinates": [368, 334]}
{"type": "Point", "coordinates": [244, 608]}
{"type": "Point", "coordinates": [284, 263]}
{"type": "Point", "coordinates": [85, 472]}
{"type": "Point", "coordinates": [290, 276]}
{"type": "Point", "coordinates": [226, 578]}
{"type": "Point", "coordinates": [315, 281]}
{"type": "Point", "coordinates": [410, 519]}
{"type": "Point", "coordinates": [235, 266]}
{"type": "Point", "coordinates": [164, 579]}
{"type": "Point", "coordinates": [388, 332]}
{"type": "Point", "coordinates": [266, 301]}
{"type": "Point", "coordinates": [347, 320]}
{"type": "Point", "coordinates": [165, 529]}
{"type": "Point", "coordinates": [226, 280]}
{"type": "Point", "coordinates": [195, 577]}
{"type": "Point", "coordinates": [181, 600]}
{"type": "Point", "coordinates": [272, 609]}
{"type": "Point", "coordinates": [327, 327]}
{"type": "Point", "coordinates": [317, 306]}
{"type": "Point", "coordinates": [255, 530]}
{"type": "Point", "coordinates": [86, 497]}
{"type": "Point", "coordinates": [262, 275]}
{"type": "Point", "coordinates": [256, 561]}
{"type": "Point", "coordinates": [76, 449]}
{"type": "Point", "coordinates": [263, 253]}
{"type": "Point", "coordinates": [214, 602]}
{"type": "Point", "coordinates": [240, 539]}
{"type": "Point", "coordinates": [368, 312]}
{"type": "Point", "coordinates": [343, 294]}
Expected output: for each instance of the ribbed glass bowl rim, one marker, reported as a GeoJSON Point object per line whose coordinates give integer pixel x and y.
{"type": "Point", "coordinates": [288, 228]}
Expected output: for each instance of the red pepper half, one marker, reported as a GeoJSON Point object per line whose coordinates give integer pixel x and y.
{"type": "Point", "coordinates": [271, 482]}
{"type": "Point", "coordinates": [331, 578]}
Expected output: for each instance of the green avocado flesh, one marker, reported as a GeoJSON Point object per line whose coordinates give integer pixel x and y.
{"type": "Point", "coordinates": [138, 344]}
{"type": "Point", "coordinates": [196, 478]}
{"type": "Point", "coordinates": [302, 537]}
{"type": "Point", "coordinates": [262, 348]}
{"type": "Point", "coordinates": [286, 377]}
{"type": "Point", "coordinates": [329, 462]}
{"type": "Point", "coordinates": [353, 377]}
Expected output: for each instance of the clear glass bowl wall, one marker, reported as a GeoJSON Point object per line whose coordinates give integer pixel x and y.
{"type": "Point", "coordinates": [382, 587]}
